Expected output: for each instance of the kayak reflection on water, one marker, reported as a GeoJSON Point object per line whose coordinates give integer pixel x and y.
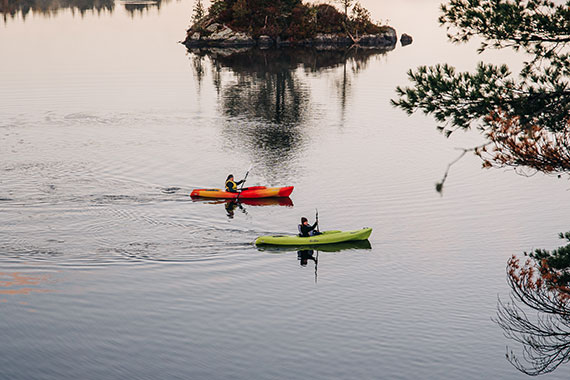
{"type": "Point", "coordinates": [306, 253]}
{"type": "Point", "coordinates": [335, 247]}
{"type": "Point", "coordinates": [231, 205]}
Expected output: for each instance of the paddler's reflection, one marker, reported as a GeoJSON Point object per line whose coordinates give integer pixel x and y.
{"type": "Point", "coordinates": [305, 255]}
{"type": "Point", "coordinates": [231, 207]}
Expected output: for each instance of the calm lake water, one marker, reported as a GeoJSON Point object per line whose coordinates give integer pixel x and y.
{"type": "Point", "coordinates": [109, 270]}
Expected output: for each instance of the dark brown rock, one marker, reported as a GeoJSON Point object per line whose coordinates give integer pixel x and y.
{"type": "Point", "coordinates": [405, 39]}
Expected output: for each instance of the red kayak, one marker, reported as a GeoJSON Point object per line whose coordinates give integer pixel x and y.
{"type": "Point", "coordinates": [247, 193]}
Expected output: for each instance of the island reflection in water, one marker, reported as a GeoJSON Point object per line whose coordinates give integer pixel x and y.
{"type": "Point", "coordinates": [266, 98]}
{"type": "Point", "coordinates": [50, 8]}
{"type": "Point", "coordinates": [140, 6]}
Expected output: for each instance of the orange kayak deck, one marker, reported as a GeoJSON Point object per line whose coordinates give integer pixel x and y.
{"type": "Point", "coordinates": [247, 193]}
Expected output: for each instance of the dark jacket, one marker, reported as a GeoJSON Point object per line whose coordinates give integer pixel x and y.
{"type": "Point", "coordinates": [305, 229]}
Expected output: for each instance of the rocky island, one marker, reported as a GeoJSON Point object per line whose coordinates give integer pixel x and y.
{"type": "Point", "coordinates": [267, 23]}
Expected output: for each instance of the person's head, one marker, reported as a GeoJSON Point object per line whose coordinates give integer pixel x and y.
{"type": "Point", "coordinates": [230, 177]}
{"type": "Point", "coordinates": [304, 220]}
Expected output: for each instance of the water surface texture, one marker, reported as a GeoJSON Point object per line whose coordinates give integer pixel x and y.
{"type": "Point", "coordinates": [109, 270]}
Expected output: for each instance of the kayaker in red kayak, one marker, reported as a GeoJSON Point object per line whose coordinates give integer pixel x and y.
{"type": "Point", "coordinates": [306, 230]}
{"type": "Point", "coordinates": [231, 186]}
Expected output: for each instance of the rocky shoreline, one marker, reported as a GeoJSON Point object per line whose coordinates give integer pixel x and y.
{"type": "Point", "coordinates": [221, 36]}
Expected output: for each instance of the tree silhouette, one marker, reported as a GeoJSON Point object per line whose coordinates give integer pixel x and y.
{"type": "Point", "coordinates": [540, 284]}
{"type": "Point", "coordinates": [526, 149]}
{"type": "Point", "coordinates": [540, 27]}
{"type": "Point", "coordinates": [198, 12]}
{"type": "Point", "coordinates": [491, 98]}
{"type": "Point", "coordinates": [346, 4]}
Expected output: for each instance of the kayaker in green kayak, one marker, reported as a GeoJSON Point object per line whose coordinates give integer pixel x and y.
{"type": "Point", "coordinates": [231, 186]}
{"type": "Point", "coordinates": [306, 230]}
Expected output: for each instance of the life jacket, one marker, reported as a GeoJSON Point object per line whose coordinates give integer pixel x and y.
{"type": "Point", "coordinates": [300, 230]}
{"type": "Point", "coordinates": [231, 185]}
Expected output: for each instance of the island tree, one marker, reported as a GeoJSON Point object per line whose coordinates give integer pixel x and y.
{"type": "Point", "coordinates": [346, 4]}
{"type": "Point", "coordinates": [288, 20]}
{"type": "Point", "coordinates": [199, 11]}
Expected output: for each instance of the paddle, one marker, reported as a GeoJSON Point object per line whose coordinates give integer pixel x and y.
{"type": "Point", "coordinates": [317, 219]}
{"type": "Point", "coordinates": [243, 183]}
{"type": "Point", "coordinates": [316, 265]}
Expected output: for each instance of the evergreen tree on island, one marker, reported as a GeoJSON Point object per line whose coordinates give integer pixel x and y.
{"type": "Point", "coordinates": [199, 11]}
{"type": "Point", "coordinates": [286, 20]}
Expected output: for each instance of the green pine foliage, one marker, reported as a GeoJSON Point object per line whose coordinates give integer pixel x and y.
{"type": "Point", "coordinates": [557, 260]}
{"type": "Point", "coordinates": [539, 95]}
{"type": "Point", "coordinates": [536, 26]}
{"type": "Point", "coordinates": [199, 12]}
{"type": "Point", "coordinates": [290, 20]}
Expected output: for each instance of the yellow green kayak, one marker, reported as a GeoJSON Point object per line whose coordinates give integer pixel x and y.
{"type": "Point", "coordinates": [333, 247]}
{"type": "Point", "coordinates": [326, 237]}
